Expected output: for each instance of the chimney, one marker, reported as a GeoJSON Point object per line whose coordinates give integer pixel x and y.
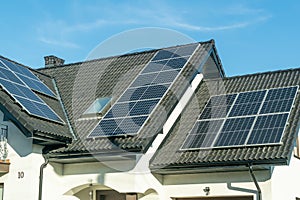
{"type": "Point", "coordinates": [53, 61]}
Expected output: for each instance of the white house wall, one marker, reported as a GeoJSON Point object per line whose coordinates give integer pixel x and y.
{"type": "Point", "coordinates": [21, 182]}
{"type": "Point", "coordinates": [220, 184]}
{"type": "Point", "coordinates": [77, 178]}
{"type": "Point", "coordinates": [285, 181]}
{"type": "Point", "coordinates": [71, 179]}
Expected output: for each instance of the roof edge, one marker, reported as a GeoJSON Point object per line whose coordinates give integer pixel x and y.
{"type": "Point", "coordinates": [123, 55]}
{"type": "Point", "coordinates": [262, 73]}
{"type": "Point", "coordinates": [203, 166]}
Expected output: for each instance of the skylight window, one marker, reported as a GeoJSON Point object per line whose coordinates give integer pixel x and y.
{"type": "Point", "coordinates": [99, 106]}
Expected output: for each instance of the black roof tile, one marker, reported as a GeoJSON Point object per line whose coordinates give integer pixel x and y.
{"type": "Point", "coordinates": [170, 157]}
{"type": "Point", "coordinates": [81, 83]}
{"type": "Point", "coordinates": [37, 126]}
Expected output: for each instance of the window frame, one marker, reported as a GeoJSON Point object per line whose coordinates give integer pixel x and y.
{"type": "Point", "coordinates": [98, 107]}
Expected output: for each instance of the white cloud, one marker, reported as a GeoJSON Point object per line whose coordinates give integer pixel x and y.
{"type": "Point", "coordinates": [240, 9]}
{"type": "Point", "coordinates": [60, 32]}
{"type": "Point", "coordinates": [86, 26]}
{"type": "Point", "coordinates": [219, 28]}
{"type": "Point", "coordinates": [56, 42]}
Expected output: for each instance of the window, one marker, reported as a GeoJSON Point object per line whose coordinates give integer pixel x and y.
{"type": "Point", "coordinates": [3, 142]}
{"type": "Point", "coordinates": [109, 195]}
{"type": "Point", "coordinates": [3, 131]}
{"type": "Point", "coordinates": [99, 106]}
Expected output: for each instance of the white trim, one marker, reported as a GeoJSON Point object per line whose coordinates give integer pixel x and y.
{"type": "Point", "coordinates": [143, 163]}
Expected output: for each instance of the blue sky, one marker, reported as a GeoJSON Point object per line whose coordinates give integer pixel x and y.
{"type": "Point", "coordinates": [251, 36]}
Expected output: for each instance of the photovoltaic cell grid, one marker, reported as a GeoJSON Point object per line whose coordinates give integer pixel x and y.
{"type": "Point", "coordinates": [27, 77]}
{"type": "Point", "coordinates": [247, 118]}
{"type": "Point", "coordinates": [33, 104]}
{"type": "Point", "coordinates": [132, 109]}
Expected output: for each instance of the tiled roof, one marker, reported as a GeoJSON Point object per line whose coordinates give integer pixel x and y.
{"type": "Point", "coordinates": [169, 156]}
{"type": "Point", "coordinates": [37, 126]}
{"type": "Point", "coordinates": [81, 83]}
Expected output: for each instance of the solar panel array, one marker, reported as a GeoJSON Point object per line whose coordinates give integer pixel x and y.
{"type": "Point", "coordinates": [12, 78]}
{"type": "Point", "coordinates": [28, 78]}
{"type": "Point", "coordinates": [133, 108]}
{"type": "Point", "coordinates": [247, 118]}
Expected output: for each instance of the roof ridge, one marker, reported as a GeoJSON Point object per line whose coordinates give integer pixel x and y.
{"type": "Point", "coordinates": [262, 73]}
{"type": "Point", "coordinates": [123, 55]}
{"type": "Point", "coordinates": [93, 60]}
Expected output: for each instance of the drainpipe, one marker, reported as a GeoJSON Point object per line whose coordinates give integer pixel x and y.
{"type": "Point", "coordinates": [43, 166]}
{"type": "Point", "coordinates": [259, 197]}
{"type": "Point", "coordinates": [45, 152]}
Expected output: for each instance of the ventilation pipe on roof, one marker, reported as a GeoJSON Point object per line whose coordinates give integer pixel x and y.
{"type": "Point", "coordinates": [255, 182]}
{"type": "Point", "coordinates": [53, 61]}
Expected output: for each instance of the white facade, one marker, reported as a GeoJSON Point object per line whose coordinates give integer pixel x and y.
{"type": "Point", "coordinates": [79, 179]}
{"type": "Point", "coordinates": [21, 182]}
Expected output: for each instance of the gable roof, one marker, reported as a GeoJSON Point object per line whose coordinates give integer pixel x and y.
{"type": "Point", "coordinates": [43, 131]}
{"type": "Point", "coordinates": [81, 83]}
{"type": "Point", "coordinates": [170, 158]}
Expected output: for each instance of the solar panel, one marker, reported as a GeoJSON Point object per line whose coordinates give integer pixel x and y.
{"type": "Point", "coordinates": [130, 126]}
{"type": "Point", "coordinates": [166, 77]}
{"type": "Point", "coordinates": [38, 109]}
{"type": "Point", "coordinates": [203, 134]}
{"type": "Point", "coordinates": [247, 103]}
{"type": "Point", "coordinates": [2, 66]}
{"type": "Point", "coordinates": [279, 100]}
{"type": "Point", "coordinates": [218, 106]}
{"type": "Point", "coordinates": [120, 110]}
{"type": "Point", "coordinates": [132, 94]}
{"type": "Point", "coordinates": [25, 75]}
{"type": "Point", "coordinates": [154, 66]}
{"type": "Point", "coordinates": [106, 127]}
{"type": "Point", "coordinates": [176, 63]}
{"type": "Point", "coordinates": [249, 118]}
{"type": "Point", "coordinates": [30, 102]}
{"type": "Point", "coordinates": [185, 51]}
{"type": "Point", "coordinates": [268, 129]}
{"type": "Point", "coordinates": [19, 90]}
{"type": "Point", "coordinates": [144, 79]}
{"type": "Point", "coordinates": [17, 68]}
{"type": "Point", "coordinates": [136, 104]}
{"type": "Point", "coordinates": [164, 54]}
{"type": "Point", "coordinates": [234, 132]}
{"type": "Point", "coordinates": [155, 91]}
{"type": "Point", "coordinates": [8, 75]}
{"type": "Point", "coordinates": [143, 107]}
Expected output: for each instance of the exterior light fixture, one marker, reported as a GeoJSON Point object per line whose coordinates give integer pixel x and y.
{"type": "Point", "coordinates": [91, 192]}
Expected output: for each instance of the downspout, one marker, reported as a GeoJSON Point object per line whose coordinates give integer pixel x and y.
{"type": "Point", "coordinates": [43, 166]}
{"type": "Point", "coordinates": [259, 197]}
{"type": "Point", "coordinates": [47, 149]}
{"type": "Point", "coordinates": [45, 152]}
